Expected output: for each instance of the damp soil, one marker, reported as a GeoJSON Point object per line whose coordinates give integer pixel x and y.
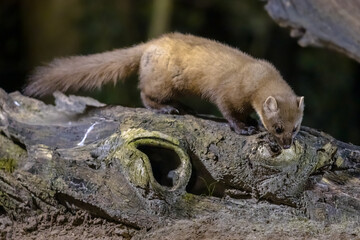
{"type": "Point", "coordinates": [63, 226]}
{"type": "Point", "coordinates": [223, 226]}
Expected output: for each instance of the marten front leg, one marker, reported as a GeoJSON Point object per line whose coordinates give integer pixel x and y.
{"type": "Point", "coordinates": [241, 127]}
{"type": "Point", "coordinates": [239, 122]}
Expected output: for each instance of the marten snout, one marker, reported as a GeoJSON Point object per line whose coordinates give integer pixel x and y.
{"type": "Point", "coordinates": [284, 141]}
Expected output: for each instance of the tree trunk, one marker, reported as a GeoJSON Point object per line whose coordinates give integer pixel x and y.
{"type": "Point", "coordinates": [141, 170]}
{"type": "Point", "coordinates": [322, 23]}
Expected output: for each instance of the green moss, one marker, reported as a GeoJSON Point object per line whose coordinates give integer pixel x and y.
{"type": "Point", "coordinates": [11, 154]}
{"type": "Point", "coordinates": [5, 202]}
{"type": "Point", "coordinates": [8, 164]}
{"type": "Point", "coordinates": [188, 197]}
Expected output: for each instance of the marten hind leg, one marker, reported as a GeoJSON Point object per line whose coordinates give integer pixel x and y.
{"type": "Point", "coordinates": [158, 106]}
{"type": "Point", "coordinates": [157, 85]}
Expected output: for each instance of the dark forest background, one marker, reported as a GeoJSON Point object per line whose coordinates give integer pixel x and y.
{"type": "Point", "coordinates": [35, 31]}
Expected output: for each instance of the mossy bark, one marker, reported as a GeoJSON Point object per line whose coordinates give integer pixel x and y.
{"type": "Point", "coordinates": [140, 168]}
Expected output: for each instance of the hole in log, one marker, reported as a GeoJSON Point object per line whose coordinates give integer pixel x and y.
{"type": "Point", "coordinates": [2, 211]}
{"type": "Point", "coordinates": [201, 182]}
{"type": "Point", "coordinates": [163, 162]}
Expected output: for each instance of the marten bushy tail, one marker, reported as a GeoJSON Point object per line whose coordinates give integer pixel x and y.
{"type": "Point", "coordinates": [84, 72]}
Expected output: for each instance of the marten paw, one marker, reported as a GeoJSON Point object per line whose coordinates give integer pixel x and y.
{"type": "Point", "coordinates": [246, 130]}
{"type": "Point", "coordinates": [168, 110]}
{"type": "Point", "coordinates": [243, 129]}
{"type": "Point", "coordinates": [249, 130]}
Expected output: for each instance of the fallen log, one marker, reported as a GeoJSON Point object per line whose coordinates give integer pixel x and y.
{"type": "Point", "coordinates": [138, 169]}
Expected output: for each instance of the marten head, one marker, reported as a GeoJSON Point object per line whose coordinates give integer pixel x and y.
{"type": "Point", "coordinates": [282, 117]}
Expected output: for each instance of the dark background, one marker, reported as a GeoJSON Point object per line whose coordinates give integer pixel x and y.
{"type": "Point", "coordinates": [35, 31]}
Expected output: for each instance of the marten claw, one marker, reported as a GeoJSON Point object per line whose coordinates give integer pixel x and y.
{"type": "Point", "coordinates": [168, 110]}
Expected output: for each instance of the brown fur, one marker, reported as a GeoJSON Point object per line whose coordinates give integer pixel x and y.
{"type": "Point", "coordinates": [176, 65]}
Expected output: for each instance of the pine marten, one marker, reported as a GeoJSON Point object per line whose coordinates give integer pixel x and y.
{"type": "Point", "coordinates": [176, 65]}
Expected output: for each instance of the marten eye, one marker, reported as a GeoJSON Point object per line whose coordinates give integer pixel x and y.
{"type": "Point", "coordinates": [294, 130]}
{"type": "Point", "coordinates": [279, 130]}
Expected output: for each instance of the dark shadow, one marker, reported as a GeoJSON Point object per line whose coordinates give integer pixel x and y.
{"type": "Point", "coordinates": [2, 211]}
{"type": "Point", "coordinates": [201, 182]}
{"type": "Point", "coordinates": [164, 162]}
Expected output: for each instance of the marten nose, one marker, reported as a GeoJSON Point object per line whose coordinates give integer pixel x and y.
{"type": "Point", "coordinates": [286, 146]}
{"type": "Point", "coordinates": [286, 142]}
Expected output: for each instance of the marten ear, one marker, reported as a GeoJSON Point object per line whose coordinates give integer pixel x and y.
{"type": "Point", "coordinates": [300, 102]}
{"type": "Point", "coordinates": [270, 104]}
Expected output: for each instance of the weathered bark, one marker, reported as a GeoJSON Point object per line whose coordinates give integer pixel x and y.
{"type": "Point", "coordinates": [142, 169]}
{"type": "Point", "coordinates": [322, 23]}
